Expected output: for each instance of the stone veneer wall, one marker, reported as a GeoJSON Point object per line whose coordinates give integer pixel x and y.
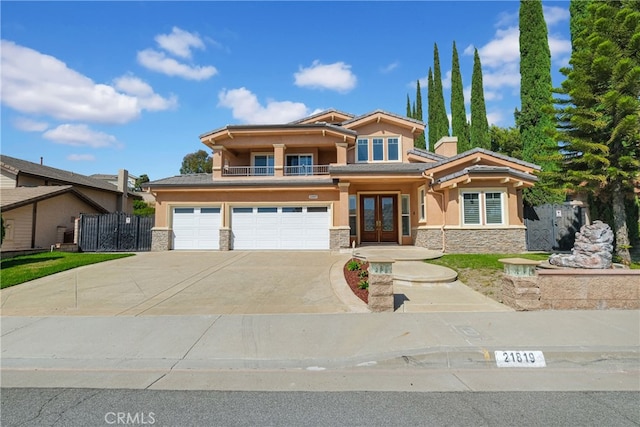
{"type": "Point", "coordinates": [485, 240]}
{"type": "Point", "coordinates": [430, 238]}
{"type": "Point", "coordinates": [225, 239]}
{"type": "Point", "coordinates": [161, 239]}
{"type": "Point", "coordinates": [573, 289]}
{"type": "Point", "coordinates": [339, 238]}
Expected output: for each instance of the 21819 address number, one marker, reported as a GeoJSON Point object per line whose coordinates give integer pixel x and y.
{"type": "Point", "coordinates": [519, 359]}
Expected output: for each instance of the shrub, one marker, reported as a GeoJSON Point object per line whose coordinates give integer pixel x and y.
{"type": "Point", "coordinates": [363, 274]}
{"type": "Point", "coordinates": [353, 265]}
{"type": "Point", "coordinates": [363, 284]}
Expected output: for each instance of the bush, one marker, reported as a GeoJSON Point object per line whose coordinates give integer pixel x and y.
{"type": "Point", "coordinates": [353, 265]}
{"type": "Point", "coordinates": [363, 284]}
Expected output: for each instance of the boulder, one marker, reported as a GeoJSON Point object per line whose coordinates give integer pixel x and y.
{"type": "Point", "coordinates": [592, 248]}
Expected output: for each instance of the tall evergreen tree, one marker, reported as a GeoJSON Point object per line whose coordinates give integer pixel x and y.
{"type": "Point", "coordinates": [409, 113]}
{"type": "Point", "coordinates": [420, 139]}
{"type": "Point", "coordinates": [431, 112]}
{"type": "Point", "coordinates": [479, 129]}
{"type": "Point", "coordinates": [577, 11]}
{"type": "Point", "coordinates": [441, 121]}
{"type": "Point", "coordinates": [535, 119]}
{"type": "Point", "coordinates": [459, 125]}
{"type": "Point", "coordinates": [599, 122]}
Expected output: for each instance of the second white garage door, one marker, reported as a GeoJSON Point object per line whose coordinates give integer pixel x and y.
{"type": "Point", "coordinates": [287, 227]}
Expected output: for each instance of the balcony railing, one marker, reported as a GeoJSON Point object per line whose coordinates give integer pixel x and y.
{"type": "Point", "coordinates": [269, 170]}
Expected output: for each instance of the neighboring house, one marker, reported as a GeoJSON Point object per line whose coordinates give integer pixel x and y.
{"type": "Point", "coordinates": [131, 184]}
{"type": "Point", "coordinates": [332, 180]}
{"type": "Point", "coordinates": [40, 204]}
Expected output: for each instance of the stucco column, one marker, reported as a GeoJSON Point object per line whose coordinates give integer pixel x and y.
{"type": "Point", "coordinates": [343, 214]}
{"type": "Point", "coordinates": [218, 161]}
{"type": "Point", "coordinates": [278, 159]}
{"type": "Point", "coordinates": [341, 153]}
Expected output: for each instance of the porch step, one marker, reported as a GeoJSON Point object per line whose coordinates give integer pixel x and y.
{"type": "Point", "coordinates": [410, 273]}
{"type": "Point", "coordinates": [397, 253]}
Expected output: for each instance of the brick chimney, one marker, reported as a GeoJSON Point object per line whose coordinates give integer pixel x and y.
{"type": "Point", "coordinates": [447, 146]}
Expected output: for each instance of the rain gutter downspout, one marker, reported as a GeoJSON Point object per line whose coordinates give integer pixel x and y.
{"type": "Point", "coordinates": [432, 191]}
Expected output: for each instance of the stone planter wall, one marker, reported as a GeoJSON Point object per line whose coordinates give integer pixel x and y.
{"type": "Point", "coordinates": [573, 289]}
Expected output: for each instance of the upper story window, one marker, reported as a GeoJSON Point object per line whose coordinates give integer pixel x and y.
{"type": "Point", "coordinates": [299, 164]}
{"type": "Point", "coordinates": [263, 164]}
{"type": "Point", "coordinates": [378, 149]}
{"type": "Point", "coordinates": [482, 208]}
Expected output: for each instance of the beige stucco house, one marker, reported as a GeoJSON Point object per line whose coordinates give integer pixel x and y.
{"type": "Point", "coordinates": [332, 180]}
{"type": "Point", "coordinates": [40, 204]}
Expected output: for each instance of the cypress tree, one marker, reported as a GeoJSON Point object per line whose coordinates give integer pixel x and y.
{"type": "Point", "coordinates": [599, 122]}
{"type": "Point", "coordinates": [409, 114]}
{"type": "Point", "coordinates": [479, 129]}
{"type": "Point", "coordinates": [420, 139]}
{"type": "Point", "coordinates": [535, 119]}
{"type": "Point", "coordinates": [440, 117]}
{"type": "Point", "coordinates": [459, 125]}
{"type": "Point", "coordinates": [431, 112]}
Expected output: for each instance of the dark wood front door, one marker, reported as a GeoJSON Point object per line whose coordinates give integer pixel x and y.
{"type": "Point", "coordinates": [379, 218]}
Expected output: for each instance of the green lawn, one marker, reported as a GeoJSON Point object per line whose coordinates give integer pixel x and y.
{"type": "Point", "coordinates": [14, 271]}
{"type": "Point", "coordinates": [477, 261]}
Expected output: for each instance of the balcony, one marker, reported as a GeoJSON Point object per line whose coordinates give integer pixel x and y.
{"type": "Point", "coordinates": [301, 170]}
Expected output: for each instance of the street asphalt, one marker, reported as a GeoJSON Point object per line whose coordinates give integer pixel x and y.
{"type": "Point", "coordinates": [277, 321]}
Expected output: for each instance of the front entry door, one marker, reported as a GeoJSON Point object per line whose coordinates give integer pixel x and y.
{"type": "Point", "coordinates": [379, 221]}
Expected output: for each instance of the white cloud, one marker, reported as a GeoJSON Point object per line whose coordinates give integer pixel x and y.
{"type": "Point", "coordinates": [246, 107]}
{"type": "Point", "coordinates": [158, 61]}
{"type": "Point", "coordinates": [336, 76]}
{"type": "Point", "coordinates": [504, 48]}
{"type": "Point", "coordinates": [36, 83]}
{"type": "Point", "coordinates": [495, 118]}
{"type": "Point", "coordinates": [29, 125]}
{"type": "Point", "coordinates": [506, 19]}
{"type": "Point", "coordinates": [81, 157]}
{"type": "Point", "coordinates": [446, 80]}
{"type": "Point", "coordinates": [149, 100]}
{"type": "Point", "coordinates": [555, 14]}
{"type": "Point", "coordinates": [179, 42]}
{"type": "Point", "coordinates": [80, 136]}
{"type": "Point", "coordinates": [389, 68]}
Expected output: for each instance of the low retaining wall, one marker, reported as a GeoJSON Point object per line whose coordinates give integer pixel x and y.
{"type": "Point", "coordinates": [573, 289]}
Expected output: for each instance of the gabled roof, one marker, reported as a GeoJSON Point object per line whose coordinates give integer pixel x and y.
{"type": "Point", "coordinates": [18, 166]}
{"type": "Point", "coordinates": [13, 198]}
{"type": "Point", "coordinates": [484, 169]}
{"type": "Point", "coordinates": [381, 114]}
{"type": "Point", "coordinates": [332, 114]}
{"type": "Point", "coordinates": [427, 154]}
{"type": "Point", "coordinates": [490, 153]}
{"type": "Point", "coordinates": [230, 130]}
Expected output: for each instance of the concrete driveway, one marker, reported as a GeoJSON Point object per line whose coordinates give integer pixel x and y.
{"type": "Point", "coordinates": [186, 283]}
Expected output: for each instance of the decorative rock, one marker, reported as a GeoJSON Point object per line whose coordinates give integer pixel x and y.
{"type": "Point", "coordinates": [592, 248]}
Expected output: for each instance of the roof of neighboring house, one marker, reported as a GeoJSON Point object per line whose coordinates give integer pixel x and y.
{"type": "Point", "coordinates": [13, 198]}
{"type": "Point", "coordinates": [206, 180]}
{"type": "Point", "coordinates": [17, 166]}
{"type": "Point", "coordinates": [107, 177]}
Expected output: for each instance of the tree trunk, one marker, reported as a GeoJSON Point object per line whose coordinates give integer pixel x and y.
{"type": "Point", "coordinates": [620, 225]}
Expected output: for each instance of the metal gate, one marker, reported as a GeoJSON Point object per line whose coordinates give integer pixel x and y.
{"type": "Point", "coordinates": [552, 227]}
{"type": "Point", "coordinates": [115, 232]}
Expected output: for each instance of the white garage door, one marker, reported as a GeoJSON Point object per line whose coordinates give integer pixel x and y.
{"type": "Point", "coordinates": [196, 228]}
{"type": "Point", "coordinates": [281, 227]}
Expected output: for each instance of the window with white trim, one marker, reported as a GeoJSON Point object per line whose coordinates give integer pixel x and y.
{"type": "Point", "coordinates": [352, 214]}
{"type": "Point", "coordinates": [381, 149]}
{"type": "Point", "coordinates": [263, 164]}
{"type": "Point", "coordinates": [406, 216]}
{"type": "Point", "coordinates": [422, 207]}
{"type": "Point", "coordinates": [483, 208]}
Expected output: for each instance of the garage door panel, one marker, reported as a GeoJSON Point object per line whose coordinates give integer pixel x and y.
{"type": "Point", "coordinates": [287, 227]}
{"type": "Point", "coordinates": [196, 228]}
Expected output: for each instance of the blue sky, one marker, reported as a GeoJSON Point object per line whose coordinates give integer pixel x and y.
{"type": "Point", "coordinates": [93, 87]}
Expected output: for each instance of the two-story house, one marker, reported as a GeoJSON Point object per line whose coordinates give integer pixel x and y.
{"type": "Point", "coordinates": [332, 180]}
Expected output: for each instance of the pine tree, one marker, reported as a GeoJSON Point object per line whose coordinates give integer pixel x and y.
{"type": "Point", "coordinates": [535, 119]}
{"type": "Point", "coordinates": [431, 112]}
{"type": "Point", "coordinates": [577, 10]}
{"type": "Point", "coordinates": [599, 122]}
{"type": "Point", "coordinates": [420, 139]}
{"type": "Point", "coordinates": [441, 121]}
{"type": "Point", "coordinates": [459, 125]}
{"type": "Point", "coordinates": [479, 129]}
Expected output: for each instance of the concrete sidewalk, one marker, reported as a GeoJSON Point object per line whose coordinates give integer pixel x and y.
{"type": "Point", "coordinates": [584, 350]}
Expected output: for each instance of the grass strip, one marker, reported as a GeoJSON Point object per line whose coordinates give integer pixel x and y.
{"type": "Point", "coordinates": [20, 269]}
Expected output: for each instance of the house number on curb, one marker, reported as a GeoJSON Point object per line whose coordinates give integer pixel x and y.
{"type": "Point", "coordinates": [519, 359]}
